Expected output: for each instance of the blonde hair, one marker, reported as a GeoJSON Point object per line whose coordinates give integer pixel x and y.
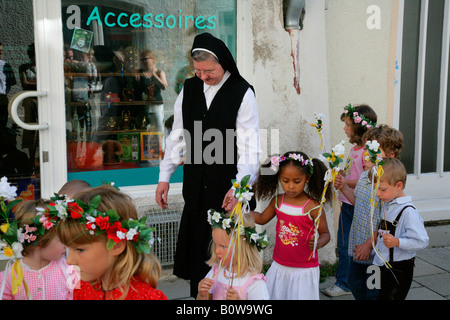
{"type": "Point", "coordinates": [25, 213]}
{"type": "Point", "coordinates": [250, 259]}
{"type": "Point", "coordinates": [394, 171]}
{"type": "Point", "coordinates": [129, 263]}
{"type": "Point", "coordinates": [148, 53]}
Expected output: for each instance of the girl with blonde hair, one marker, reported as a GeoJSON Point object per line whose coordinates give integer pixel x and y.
{"type": "Point", "coordinates": [235, 262]}
{"type": "Point", "coordinates": [110, 246]}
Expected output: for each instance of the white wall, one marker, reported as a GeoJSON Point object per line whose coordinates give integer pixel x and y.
{"type": "Point", "coordinates": [358, 59]}
{"type": "Point", "coordinates": [280, 105]}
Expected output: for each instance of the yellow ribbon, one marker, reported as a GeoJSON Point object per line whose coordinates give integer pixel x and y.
{"type": "Point", "coordinates": [331, 179]}
{"type": "Point", "coordinates": [235, 238]}
{"type": "Point", "coordinates": [237, 211]}
{"type": "Point", "coordinates": [321, 141]}
{"type": "Point", "coordinates": [17, 279]}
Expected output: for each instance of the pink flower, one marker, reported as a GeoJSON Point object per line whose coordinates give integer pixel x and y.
{"type": "Point", "coordinates": [357, 119]}
{"type": "Point", "coordinates": [275, 161]}
{"type": "Point", "coordinates": [29, 229]}
{"type": "Point", "coordinates": [30, 238]}
{"type": "Point", "coordinates": [46, 223]}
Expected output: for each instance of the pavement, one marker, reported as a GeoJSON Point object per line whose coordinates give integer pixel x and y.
{"type": "Point", "coordinates": [431, 275]}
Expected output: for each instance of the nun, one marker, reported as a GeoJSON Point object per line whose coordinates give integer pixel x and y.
{"type": "Point", "coordinates": [216, 135]}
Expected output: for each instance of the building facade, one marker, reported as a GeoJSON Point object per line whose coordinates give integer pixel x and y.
{"type": "Point", "coordinates": [97, 122]}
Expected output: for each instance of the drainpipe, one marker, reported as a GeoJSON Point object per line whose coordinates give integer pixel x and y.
{"type": "Point", "coordinates": [293, 25]}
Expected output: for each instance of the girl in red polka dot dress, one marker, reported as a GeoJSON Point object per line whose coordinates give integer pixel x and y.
{"type": "Point", "coordinates": [110, 248]}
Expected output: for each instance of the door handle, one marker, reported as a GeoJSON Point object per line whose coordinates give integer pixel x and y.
{"type": "Point", "coordinates": [14, 105]}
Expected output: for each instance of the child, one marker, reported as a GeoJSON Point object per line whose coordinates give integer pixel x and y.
{"type": "Point", "coordinates": [43, 265]}
{"type": "Point", "coordinates": [109, 245]}
{"type": "Point", "coordinates": [73, 187]}
{"type": "Point", "coordinates": [294, 273]}
{"type": "Point", "coordinates": [224, 281]}
{"type": "Point", "coordinates": [400, 235]}
{"type": "Point", "coordinates": [360, 237]}
{"type": "Point", "coordinates": [357, 121]}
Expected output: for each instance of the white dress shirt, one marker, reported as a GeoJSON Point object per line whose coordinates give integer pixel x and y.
{"type": "Point", "coordinates": [410, 231]}
{"type": "Point", "coordinates": [247, 128]}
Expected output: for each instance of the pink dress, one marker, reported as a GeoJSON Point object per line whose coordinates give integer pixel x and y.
{"type": "Point", "coordinates": [294, 230]}
{"type": "Point", "coordinates": [48, 283]}
{"type": "Point", "coordinates": [294, 273]}
{"type": "Point", "coordinates": [353, 168]}
{"type": "Point", "coordinates": [249, 286]}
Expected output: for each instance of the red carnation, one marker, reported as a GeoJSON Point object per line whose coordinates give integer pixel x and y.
{"type": "Point", "coordinates": [112, 232]}
{"type": "Point", "coordinates": [75, 210]}
{"type": "Point", "coordinates": [102, 222]}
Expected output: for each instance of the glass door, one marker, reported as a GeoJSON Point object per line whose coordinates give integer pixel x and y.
{"type": "Point", "coordinates": [19, 160]}
{"type": "Point", "coordinates": [32, 46]}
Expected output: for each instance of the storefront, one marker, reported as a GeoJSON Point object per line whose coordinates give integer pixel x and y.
{"type": "Point", "coordinates": [98, 81]}
{"type": "Point", "coordinates": [347, 52]}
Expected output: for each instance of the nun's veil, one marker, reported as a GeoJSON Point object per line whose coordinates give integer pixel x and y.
{"type": "Point", "coordinates": [207, 42]}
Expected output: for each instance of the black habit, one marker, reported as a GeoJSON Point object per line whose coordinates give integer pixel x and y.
{"type": "Point", "coordinates": [204, 183]}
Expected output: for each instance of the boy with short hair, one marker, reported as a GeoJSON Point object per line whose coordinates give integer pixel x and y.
{"type": "Point", "coordinates": [400, 234]}
{"type": "Point", "coordinates": [360, 237]}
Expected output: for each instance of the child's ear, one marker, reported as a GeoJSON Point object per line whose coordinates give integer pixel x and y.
{"type": "Point", "coordinates": [399, 185]}
{"type": "Point", "coordinates": [118, 248]}
{"type": "Point", "coordinates": [391, 155]}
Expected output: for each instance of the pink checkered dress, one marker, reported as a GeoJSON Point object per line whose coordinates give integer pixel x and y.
{"type": "Point", "coordinates": [48, 283]}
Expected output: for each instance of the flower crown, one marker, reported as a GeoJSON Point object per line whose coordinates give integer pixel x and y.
{"type": "Point", "coordinates": [276, 160]}
{"type": "Point", "coordinates": [96, 222]}
{"type": "Point", "coordinates": [220, 220]}
{"type": "Point", "coordinates": [350, 111]}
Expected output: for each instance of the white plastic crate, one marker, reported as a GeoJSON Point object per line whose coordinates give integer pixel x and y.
{"type": "Point", "coordinates": [167, 224]}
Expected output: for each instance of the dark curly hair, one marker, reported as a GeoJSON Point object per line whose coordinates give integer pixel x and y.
{"type": "Point", "coordinates": [266, 185]}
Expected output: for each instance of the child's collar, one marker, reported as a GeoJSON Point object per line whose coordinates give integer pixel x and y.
{"type": "Point", "coordinates": [401, 200]}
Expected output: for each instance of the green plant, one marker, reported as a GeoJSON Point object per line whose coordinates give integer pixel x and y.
{"type": "Point", "coordinates": [327, 270]}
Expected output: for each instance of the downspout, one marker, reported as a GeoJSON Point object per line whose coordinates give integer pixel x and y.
{"type": "Point", "coordinates": [293, 25]}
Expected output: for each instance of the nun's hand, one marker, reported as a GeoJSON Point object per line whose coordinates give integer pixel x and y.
{"type": "Point", "coordinates": [161, 194]}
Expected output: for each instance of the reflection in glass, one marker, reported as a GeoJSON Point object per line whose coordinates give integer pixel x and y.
{"type": "Point", "coordinates": [19, 152]}
{"type": "Point", "coordinates": [123, 72]}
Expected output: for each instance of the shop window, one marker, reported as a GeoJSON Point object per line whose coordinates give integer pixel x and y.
{"type": "Point", "coordinates": [125, 64]}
